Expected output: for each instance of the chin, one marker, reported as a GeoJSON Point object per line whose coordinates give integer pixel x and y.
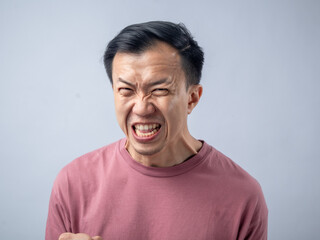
{"type": "Point", "coordinates": [145, 149]}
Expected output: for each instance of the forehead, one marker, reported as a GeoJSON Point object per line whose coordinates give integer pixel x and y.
{"type": "Point", "coordinates": [159, 58]}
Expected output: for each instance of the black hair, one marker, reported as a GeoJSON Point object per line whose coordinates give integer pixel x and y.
{"type": "Point", "coordinates": [137, 38]}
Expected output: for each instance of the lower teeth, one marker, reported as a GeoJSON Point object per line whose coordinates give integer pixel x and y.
{"type": "Point", "coordinates": [140, 134]}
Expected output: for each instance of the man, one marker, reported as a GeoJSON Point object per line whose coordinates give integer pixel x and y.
{"type": "Point", "coordinates": [159, 182]}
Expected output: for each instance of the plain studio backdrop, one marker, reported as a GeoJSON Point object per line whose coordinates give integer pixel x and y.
{"type": "Point", "coordinates": [260, 104]}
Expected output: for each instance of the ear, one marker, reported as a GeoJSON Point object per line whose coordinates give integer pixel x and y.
{"type": "Point", "coordinates": [195, 93]}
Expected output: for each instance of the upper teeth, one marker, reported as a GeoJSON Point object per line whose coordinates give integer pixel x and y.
{"type": "Point", "coordinates": [146, 126]}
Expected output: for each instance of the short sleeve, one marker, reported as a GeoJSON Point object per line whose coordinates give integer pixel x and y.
{"type": "Point", "coordinates": [58, 221]}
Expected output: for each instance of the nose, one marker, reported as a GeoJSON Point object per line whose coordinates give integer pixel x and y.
{"type": "Point", "coordinates": [143, 107]}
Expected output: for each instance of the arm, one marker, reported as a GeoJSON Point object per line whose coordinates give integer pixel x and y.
{"type": "Point", "coordinates": [258, 227]}
{"type": "Point", "coordinates": [57, 221]}
{"type": "Point", "coordinates": [59, 225]}
{"type": "Point", "coordinates": [258, 231]}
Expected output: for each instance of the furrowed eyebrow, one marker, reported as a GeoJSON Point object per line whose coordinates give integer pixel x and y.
{"type": "Point", "coordinates": [125, 82]}
{"type": "Point", "coordinates": [164, 80]}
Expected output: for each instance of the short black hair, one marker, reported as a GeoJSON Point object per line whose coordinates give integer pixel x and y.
{"type": "Point", "coordinates": [137, 38]}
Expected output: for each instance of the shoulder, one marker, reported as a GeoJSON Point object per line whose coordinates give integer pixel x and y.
{"type": "Point", "coordinates": [231, 175]}
{"type": "Point", "coordinates": [94, 158]}
{"type": "Point", "coordinates": [238, 184]}
{"type": "Point", "coordinates": [88, 166]}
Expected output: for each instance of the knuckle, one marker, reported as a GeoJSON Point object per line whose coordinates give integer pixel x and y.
{"type": "Point", "coordinates": [65, 236]}
{"type": "Point", "coordinates": [97, 238]}
{"type": "Point", "coordinates": [82, 236]}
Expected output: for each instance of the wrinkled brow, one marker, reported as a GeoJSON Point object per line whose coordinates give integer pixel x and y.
{"type": "Point", "coordinates": [161, 81]}
{"type": "Point", "coordinates": [158, 82]}
{"type": "Point", "coordinates": [125, 82]}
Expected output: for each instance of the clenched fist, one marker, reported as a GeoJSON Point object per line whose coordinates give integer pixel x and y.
{"type": "Point", "coordinates": [78, 236]}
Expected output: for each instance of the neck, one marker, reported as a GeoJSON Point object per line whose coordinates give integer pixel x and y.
{"type": "Point", "coordinates": [174, 154]}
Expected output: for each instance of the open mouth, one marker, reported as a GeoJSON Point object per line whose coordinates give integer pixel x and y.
{"type": "Point", "coordinates": [146, 130]}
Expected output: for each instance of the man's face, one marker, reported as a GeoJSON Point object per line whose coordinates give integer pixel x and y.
{"type": "Point", "coordinates": [151, 100]}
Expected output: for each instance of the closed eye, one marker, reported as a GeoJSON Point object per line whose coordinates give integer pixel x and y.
{"type": "Point", "coordinates": [160, 91]}
{"type": "Point", "coordinates": [126, 91]}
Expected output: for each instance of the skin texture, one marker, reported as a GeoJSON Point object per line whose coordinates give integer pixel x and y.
{"type": "Point", "coordinates": [150, 88]}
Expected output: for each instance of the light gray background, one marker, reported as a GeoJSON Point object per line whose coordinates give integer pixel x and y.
{"type": "Point", "coordinates": [260, 104]}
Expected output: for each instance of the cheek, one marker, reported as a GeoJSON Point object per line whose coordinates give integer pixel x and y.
{"type": "Point", "coordinates": [176, 112]}
{"type": "Point", "coordinates": [122, 112]}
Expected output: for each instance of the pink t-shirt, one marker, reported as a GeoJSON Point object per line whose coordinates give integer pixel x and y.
{"type": "Point", "coordinates": [107, 193]}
